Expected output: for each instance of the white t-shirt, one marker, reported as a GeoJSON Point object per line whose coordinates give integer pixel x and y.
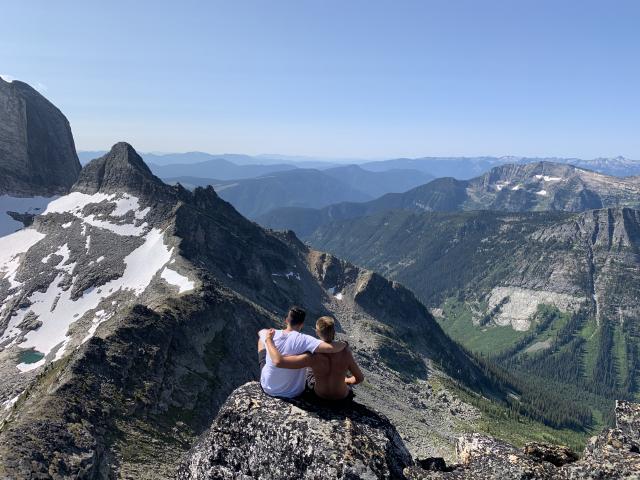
{"type": "Point", "coordinates": [286, 382]}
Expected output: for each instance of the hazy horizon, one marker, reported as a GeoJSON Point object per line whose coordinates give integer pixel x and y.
{"type": "Point", "coordinates": [306, 158]}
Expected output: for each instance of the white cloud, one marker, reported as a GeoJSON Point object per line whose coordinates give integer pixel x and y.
{"type": "Point", "coordinates": [7, 78]}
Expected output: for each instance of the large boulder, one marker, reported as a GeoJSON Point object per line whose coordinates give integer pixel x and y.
{"type": "Point", "coordinates": [261, 437]}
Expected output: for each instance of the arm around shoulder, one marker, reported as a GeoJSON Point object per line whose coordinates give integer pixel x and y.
{"type": "Point", "coordinates": [333, 347]}
{"type": "Point", "coordinates": [280, 361]}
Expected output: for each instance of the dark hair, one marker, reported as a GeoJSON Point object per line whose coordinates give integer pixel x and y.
{"type": "Point", "coordinates": [296, 315]}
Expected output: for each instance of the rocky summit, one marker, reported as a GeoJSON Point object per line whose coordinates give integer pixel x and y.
{"type": "Point", "coordinates": [257, 436]}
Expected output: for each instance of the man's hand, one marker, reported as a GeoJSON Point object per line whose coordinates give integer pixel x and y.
{"type": "Point", "coordinates": [350, 380]}
{"type": "Point", "coordinates": [270, 333]}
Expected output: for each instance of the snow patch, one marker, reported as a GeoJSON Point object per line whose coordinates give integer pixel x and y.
{"type": "Point", "coordinates": [500, 185]}
{"type": "Point", "coordinates": [174, 278]}
{"type": "Point", "coordinates": [11, 247]}
{"type": "Point", "coordinates": [288, 275]}
{"type": "Point", "coordinates": [11, 402]}
{"type": "Point", "coordinates": [541, 192]}
{"type": "Point", "coordinates": [547, 178]}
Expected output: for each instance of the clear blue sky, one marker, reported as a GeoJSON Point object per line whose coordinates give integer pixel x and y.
{"type": "Point", "coordinates": [337, 78]}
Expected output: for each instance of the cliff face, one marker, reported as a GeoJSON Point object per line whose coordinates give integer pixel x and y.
{"type": "Point", "coordinates": [37, 152]}
{"type": "Point", "coordinates": [257, 436]}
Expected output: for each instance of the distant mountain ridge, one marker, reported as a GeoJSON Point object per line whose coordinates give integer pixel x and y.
{"type": "Point", "coordinates": [307, 188]}
{"type": "Point", "coordinates": [464, 168]}
{"type": "Point", "coordinates": [511, 187]}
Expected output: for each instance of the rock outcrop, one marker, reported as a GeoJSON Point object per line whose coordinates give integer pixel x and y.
{"type": "Point", "coordinates": [614, 454]}
{"type": "Point", "coordinates": [257, 436]}
{"type": "Point", "coordinates": [37, 152]}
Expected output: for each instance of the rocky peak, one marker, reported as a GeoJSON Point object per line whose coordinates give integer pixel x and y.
{"type": "Point", "coordinates": [122, 169]}
{"type": "Point", "coordinates": [37, 152]}
{"type": "Point", "coordinates": [257, 436]}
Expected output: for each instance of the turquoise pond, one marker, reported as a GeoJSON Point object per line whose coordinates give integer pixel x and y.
{"type": "Point", "coordinates": [30, 356]}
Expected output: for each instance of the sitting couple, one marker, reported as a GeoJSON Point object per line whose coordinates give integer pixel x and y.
{"type": "Point", "coordinates": [285, 354]}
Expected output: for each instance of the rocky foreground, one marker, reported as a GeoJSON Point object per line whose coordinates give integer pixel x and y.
{"type": "Point", "coordinates": [257, 436]}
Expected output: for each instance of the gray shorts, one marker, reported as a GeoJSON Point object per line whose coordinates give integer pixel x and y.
{"type": "Point", "coordinates": [262, 358]}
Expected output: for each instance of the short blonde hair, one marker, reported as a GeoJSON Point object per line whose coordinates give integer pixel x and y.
{"type": "Point", "coordinates": [326, 328]}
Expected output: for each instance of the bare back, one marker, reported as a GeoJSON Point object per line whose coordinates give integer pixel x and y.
{"type": "Point", "coordinates": [329, 371]}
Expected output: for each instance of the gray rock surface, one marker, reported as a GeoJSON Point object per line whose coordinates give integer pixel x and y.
{"type": "Point", "coordinates": [37, 152]}
{"type": "Point", "coordinates": [257, 436]}
{"type": "Point", "coordinates": [614, 454]}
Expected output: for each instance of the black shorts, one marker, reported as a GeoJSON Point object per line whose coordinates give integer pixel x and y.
{"type": "Point", "coordinates": [311, 397]}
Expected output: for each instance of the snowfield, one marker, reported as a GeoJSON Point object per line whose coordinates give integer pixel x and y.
{"type": "Point", "coordinates": [52, 312]}
{"type": "Point", "coordinates": [75, 203]}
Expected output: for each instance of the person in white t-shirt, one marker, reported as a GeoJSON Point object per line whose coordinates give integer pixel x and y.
{"type": "Point", "coordinates": [283, 382]}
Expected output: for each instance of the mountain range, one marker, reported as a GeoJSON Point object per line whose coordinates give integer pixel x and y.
{"type": "Point", "coordinates": [307, 187]}
{"type": "Point", "coordinates": [129, 307]}
{"type": "Point", "coordinates": [462, 168]}
{"type": "Point", "coordinates": [539, 186]}
{"type": "Point", "coordinates": [117, 340]}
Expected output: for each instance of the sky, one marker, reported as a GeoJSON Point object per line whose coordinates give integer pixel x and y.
{"type": "Point", "coordinates": [343, 78]}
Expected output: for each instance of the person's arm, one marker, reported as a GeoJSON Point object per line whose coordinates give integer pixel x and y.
{"type": "Point", "coordinates": [356, 374]}
{"type": "Point", "coordinates": [333, 347]}
{"type": "Point", "coordinates": [290, 361]}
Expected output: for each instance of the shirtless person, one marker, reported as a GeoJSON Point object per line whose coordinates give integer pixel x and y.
{"type": "Point", "coordinates": [329, 370]}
